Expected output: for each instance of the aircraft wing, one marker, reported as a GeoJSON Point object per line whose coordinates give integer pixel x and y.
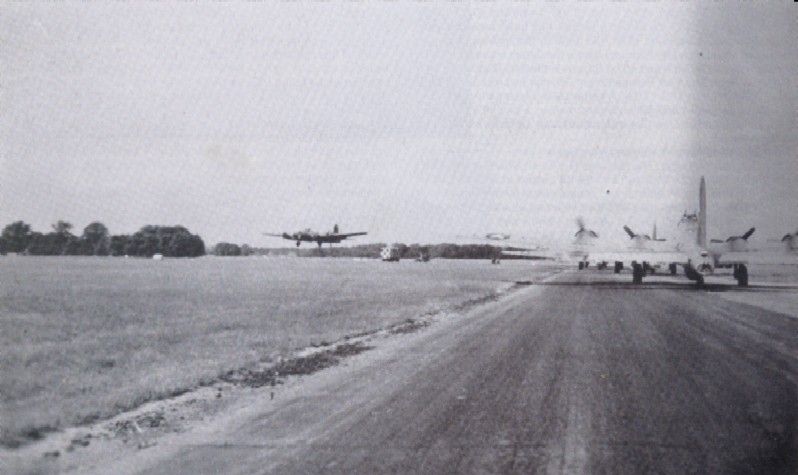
{"type": "Point", "coordinates": [273, 234]}
{"type": "Point", "coordinates": [610, 254]}
{"type": "Point", "coordinates": [759, 256]}
{"type": "Point", "coordinates": [629, 256]}
{"type": "Point", "coordinates": [346, 235]}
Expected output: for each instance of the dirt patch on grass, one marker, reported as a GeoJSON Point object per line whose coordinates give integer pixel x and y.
{"type": "Point", "coordinates": [409, 326]}
{"type": "Point", "coordinates": [258, 377]}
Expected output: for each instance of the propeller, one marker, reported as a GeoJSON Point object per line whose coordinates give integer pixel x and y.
{"type": "Point", "coordinates": [744, 237]}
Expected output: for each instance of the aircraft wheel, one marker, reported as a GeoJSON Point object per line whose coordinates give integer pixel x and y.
{"type": "Point", "coordinates": [637, 273]}
{"type": "Point", "coordinates": [742, 275]}
{"type": "Point", "coordinates": [581, 265]}
{"type": "Point", "coordinates": [672, 268]}
{"type": "Point", "coordinates": [618, 267]}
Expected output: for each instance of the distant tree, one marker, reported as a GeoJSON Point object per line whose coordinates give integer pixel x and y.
{"type": "Point", "coordinates": [118, 244]}
{"type": "Point", "coordinates": [49, 244]}
{"type": "Point", "coordinates": [226, 249]}
{"type": "Point", "coordinates": [171, 241]}
{"type": "Point", "coordinates": [16, 236]}
{"type": "Point", "coordinates": [96, 236]}
{"type": "Point", "coordinates": [185, 245]}
{"type": "Point", "coordinates": [60, 241]}
{"type": "Point", "coordinates": [403, 250]}
{"type": "Point", "coordinates": [246, 250]}
{"type": "Point", "coordinates": [73, 246]}
{"type": "Point", "coordinates": [62, 227]}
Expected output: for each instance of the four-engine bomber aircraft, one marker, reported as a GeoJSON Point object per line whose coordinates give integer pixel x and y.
{"type": "Point", "coordinates": [690, 250]}
{"type": "Point", "coordinates": [309, 235]}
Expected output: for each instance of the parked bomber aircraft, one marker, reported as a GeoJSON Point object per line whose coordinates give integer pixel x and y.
{"type": "Point", "coordinates": [309, 235]}
{"type": "Point", "coordinates": [689, 251]}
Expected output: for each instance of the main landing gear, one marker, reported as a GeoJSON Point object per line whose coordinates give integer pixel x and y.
{"type": "Point", "coordinates": [639, 271]}
{"type": "Point", "coordinates": [647, 268]}
{"type": "Point", "coordinates": [741, 275]}
{"type": "Point", "coordinates": [693, 274]}
{"type": "Point", "coordinates": [618, 267]}
{"type": "Point", "coordinates": [321, 252]}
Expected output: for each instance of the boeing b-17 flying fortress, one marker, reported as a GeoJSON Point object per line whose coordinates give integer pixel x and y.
{"type": "Point", "coordinates": [308, 235]}
{"type": "Point", "coordinates": [690, 251]}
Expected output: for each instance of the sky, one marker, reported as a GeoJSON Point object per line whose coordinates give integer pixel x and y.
{"type": "Point", "coordinates": [414, 121]}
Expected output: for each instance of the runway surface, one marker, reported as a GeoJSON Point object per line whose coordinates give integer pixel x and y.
{"type": "Point", "coordinates": [562, 378]}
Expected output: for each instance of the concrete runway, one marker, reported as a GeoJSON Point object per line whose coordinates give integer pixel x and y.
{"type": "Point", "coordinates": [560, 378]}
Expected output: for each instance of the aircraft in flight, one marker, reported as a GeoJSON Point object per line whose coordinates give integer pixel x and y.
{"type": "Point", "coordinates": [309, 235]}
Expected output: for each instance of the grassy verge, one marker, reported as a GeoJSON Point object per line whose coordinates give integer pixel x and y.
{"type": "Point", "coordinates": [86, 338]}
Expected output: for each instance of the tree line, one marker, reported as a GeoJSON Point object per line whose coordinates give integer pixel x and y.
{"type": "Point", "coordinates": [412, 251]}
{"type": "Point", "coordinates": [170, 241]}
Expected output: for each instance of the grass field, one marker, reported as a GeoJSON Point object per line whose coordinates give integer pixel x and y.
{"type": "Point", "coordinates": [85, 338]}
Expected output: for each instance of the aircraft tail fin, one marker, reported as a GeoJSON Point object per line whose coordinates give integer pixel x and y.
{"type": "Point", "coordinates": [702, 214]}
{"type": "Point", "coordinates": [335, 229]}
{"type": "Point", "coordinates": [748, 233]}
{"type": "Point", "coordinates": [629, 232]}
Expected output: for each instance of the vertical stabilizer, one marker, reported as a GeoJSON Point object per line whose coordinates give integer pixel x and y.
{"type": "Point", "coordinates": [702, 214]}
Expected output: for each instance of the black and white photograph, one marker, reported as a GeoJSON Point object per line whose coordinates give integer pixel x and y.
{"type": "Point", "coordinates": [398, 236]}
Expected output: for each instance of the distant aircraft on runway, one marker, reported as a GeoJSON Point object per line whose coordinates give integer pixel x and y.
{"type": "Point", "coordinates": [507, 241]}
{"type": "Point", "coordinates": [309, 235]}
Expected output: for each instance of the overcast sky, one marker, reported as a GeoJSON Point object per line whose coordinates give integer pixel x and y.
{"type": "Point", "coordinates": [414, 121]}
